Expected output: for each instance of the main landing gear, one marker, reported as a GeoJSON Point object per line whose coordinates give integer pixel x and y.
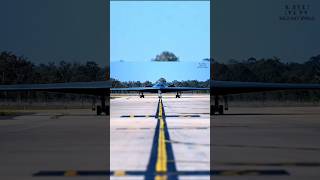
{"type": "Point", "coordinates": [159, 94]}
{"type": "Point", "coordinates": [216, 108]}
{"type": "Point", "coordinates": [178, 95]}
{"type": "Point", "coordinates": [102, 108]}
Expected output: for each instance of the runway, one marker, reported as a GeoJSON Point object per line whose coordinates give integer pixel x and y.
{"type": "Point", "coordinates": [166, 139]}
{"type": "Point", "coordinates": [267, 143]}
{"type": "Point", "coordinates": [56, 141]}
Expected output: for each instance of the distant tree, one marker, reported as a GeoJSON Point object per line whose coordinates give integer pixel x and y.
{"type": "Point", "coordinates": [147, 84]}
{"type": "Point", "coordinates": [252, 60]}
{"type": "Point", "coordinates": [166, 56]}
{"type": "Point", "coordinates": [65, 72]}
{"type": "Point", "coordinates": [116, 83]}
{"type": "Point", "coordinates": [88, 72]}
{"type": "Point", "coordinates": [14, 69]}
{"type": "Point", "coordinates": [312, 69]}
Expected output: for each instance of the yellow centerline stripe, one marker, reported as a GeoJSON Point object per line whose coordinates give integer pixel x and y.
{"type": "Point", "coordinates": [161, 166]}
{"type": "Point", "coordinates": [71, 173]}
{"type": "Point", "coordinates": [119, 173]}
{"type": "Point", "coordinates": [160, 109]}
{"type": "Point", "coordinates": [162, 151]}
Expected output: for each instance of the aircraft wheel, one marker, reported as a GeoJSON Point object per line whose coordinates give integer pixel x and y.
{"type": "Point", "coordinates": [107, 110]}
{"type": "Point", "coordinates": [220, 109]}
{"type": "Point", "coordinates": [99, 110]}
{"type": "Point", "coordinates": [212, 110]}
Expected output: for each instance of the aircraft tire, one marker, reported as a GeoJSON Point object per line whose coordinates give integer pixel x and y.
{"type": "Point", "coordinates": [220, 109]}
{"type": "Point", "coordinates": [212, 110]}
{"type": "Point", "coordinates": [107, 110]}
{"type": "Point", "coordinates": [99, 110]}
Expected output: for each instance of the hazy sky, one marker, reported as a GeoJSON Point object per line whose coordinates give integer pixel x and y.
{"type": "Point", "coordinates": [152, 71]}
{"type": "Point", "coordinates": [140, 30]}
{"type": "Point", "coordinates": [54, 30]}
{"type": "Point", "coordinates": [252, 28]}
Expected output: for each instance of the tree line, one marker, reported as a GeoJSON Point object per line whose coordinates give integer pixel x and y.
{"type": "Point", "coordinates": [271, 70]}
{"type": "Point", "coordinates": [18, 70]}
{"type": "Point", "coordinates": [188, 83]}
{"type": "Point", "coordinates": [268, 70]}
{"type": "Point", "coordinates": [15, 69]}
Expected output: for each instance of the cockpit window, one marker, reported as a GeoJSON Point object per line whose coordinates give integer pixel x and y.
{"type": "Point", "coordinates": [160, 85]}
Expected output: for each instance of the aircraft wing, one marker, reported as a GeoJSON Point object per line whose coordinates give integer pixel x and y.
{"type": "Point", "coordinates": [91, 88]}
{"type": "Point", "coordinates": [155, 90]}
{"type": "Point", "coordinates": [233, 87]}
{"type": "Point", "coordinates": [180, 89]}
{"type": "Point", "coordinates": [137, 89]}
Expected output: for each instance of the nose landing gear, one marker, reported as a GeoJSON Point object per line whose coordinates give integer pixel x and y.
{"type": "Point", "coordinates": [141, 95]}
{"type": "Point", "coordinates": [159, 94]}
{"type": "Point", "coordinates": [103, 108]}
{"type": "Point", "coordinates": [216, 108]}
{"type": "Point", "coordinates": [178, 95]}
